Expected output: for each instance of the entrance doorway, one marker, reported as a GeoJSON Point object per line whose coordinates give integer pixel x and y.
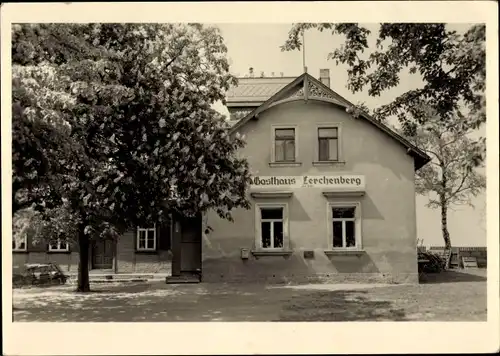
{"type": "Point", "coordinates": [191, 247]}
{"type": "Point", "coordinates": [102, 254]}
{"type": "Point", "coordinates": [186, 248]}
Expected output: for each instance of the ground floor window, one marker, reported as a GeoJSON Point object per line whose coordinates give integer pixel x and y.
{"type": "Point", "coordinates": [146, 238]}
{"type": "Point", "coordinates": [271, 226]}
{"type": "Point", "coordinates": [345, 222]}
{"type": "Point", "coordinates": [58, 245]}
{"type": "Point", "coordinates": [19, 244]}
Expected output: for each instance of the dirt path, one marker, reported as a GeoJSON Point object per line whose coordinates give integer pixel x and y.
{"type": "Point", "coordinates": [460, 298]}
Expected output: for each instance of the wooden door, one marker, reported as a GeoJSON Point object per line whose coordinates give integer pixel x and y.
{"type": "Point", "coordinates": [102, 254]}
{"type": "Point", "coordinates": [191, 245]}
{"type": "Point", "coordinates": [186, 246]}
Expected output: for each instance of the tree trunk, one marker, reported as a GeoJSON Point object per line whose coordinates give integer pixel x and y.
{"type": "Point", "coordinates": [83, 265]}
{"type": "Point", "coordinates": [444, 223]}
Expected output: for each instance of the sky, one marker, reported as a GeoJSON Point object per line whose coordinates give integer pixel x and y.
{"type": "Point", "coordinates": [258, 46]}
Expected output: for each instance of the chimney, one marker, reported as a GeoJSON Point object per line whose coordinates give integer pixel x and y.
{"type": "Point", "coordinates": [324, 77]}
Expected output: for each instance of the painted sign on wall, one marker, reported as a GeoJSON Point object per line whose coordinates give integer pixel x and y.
{"type": "Point", "coordinates": [322, 181]}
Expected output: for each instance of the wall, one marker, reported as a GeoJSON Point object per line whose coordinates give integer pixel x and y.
{"type": "Point", "coordinates": [38, 253]}
{"type": "Point", "coordinates": [68, 262]}
{"type": "Point", "coordinates": [128, 260]}
{"type": "Point", "coordinates": [388, 207]}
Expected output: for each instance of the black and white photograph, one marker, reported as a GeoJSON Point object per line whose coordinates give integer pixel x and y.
{"type": "Point", "coordinates": [248, 171]}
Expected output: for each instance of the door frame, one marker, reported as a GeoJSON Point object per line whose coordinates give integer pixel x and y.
{"type": "Point", "coordinates": [176, 245]}
{"type": "Point", "coordinates": [114, 263]}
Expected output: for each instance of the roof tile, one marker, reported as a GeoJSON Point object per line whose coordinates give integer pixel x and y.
{"type": "Point", "coordinates": [256, 89]}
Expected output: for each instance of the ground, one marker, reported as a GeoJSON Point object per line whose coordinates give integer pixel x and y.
{"type": "Point", "coordinates": [449, 296]}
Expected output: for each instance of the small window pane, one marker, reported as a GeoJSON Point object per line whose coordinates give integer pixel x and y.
{"type": "Point", "coordinates": [333, 150]}
{"type": "Point", "coordinates": [266, 234]}
{"type": "Point", "coordinates": [272, 213]}
{"type": "Point", "coordinates": [337, 234]}
{"type": "Point", "coordinates": [278, 234]}
{"type": "Point", "coordinates": [285, 133]}
{"type": "Point", "coordinates": [62, 245]}
{"type": "Point", "coordinates": [327, 132]}
{"type": "Point", "coordinates": [350, 234]}
{"type": "Point", "coordinates": [142, 243]}
{"type": "Point", "coordinates": [324, 150]}
{"type": "Point", "coordinates": [151, 235]}
{"type": "Point", "coordinates": [151, 243]}
{"type": "Point", "coordinates": [279, 151]}
{"type": "Point", "coordinates": [290, 150]}
{"type": "Point", "coordinates": [22, 245]}
{"type": "Point", "coordinates": [346, 213]}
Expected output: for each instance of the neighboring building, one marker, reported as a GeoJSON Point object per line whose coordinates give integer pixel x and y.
{"type": "Point", "coordinates": [333, 196]}
{"type": "Point", "coordinates": [146, 249]}
{"type": "Point", "coordinates": [333, 199]}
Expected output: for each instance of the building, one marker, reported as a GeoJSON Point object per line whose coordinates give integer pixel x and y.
{"type": "Point", "coordinates": [333, 196]}
{"type": "Point", "coordinates": [146, 249]}
{"type": "Point", "coordinates": [173, 248]}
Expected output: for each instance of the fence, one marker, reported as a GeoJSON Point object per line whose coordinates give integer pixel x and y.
{"type": "Point", "coordinates": [480, 253]}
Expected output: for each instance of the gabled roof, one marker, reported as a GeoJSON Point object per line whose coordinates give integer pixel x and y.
{"type": "Point", "coordinates": [307, 87]}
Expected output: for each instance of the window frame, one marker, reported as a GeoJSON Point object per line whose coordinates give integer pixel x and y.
{"type": "Point", "coordinates": [155, 239]}
{"type": "Point", "coordinates": [17, 249]}
{"type": "Point", "coordinates": [357, 225]}
{"type": "Point", "coordinates": [58, 249]}
{"type": "Point", "coordinates": [273, 142]}
{"type": "Point", "coordinates": [258, 226]}
{"type": "Point", "coordinates": [332, 125]}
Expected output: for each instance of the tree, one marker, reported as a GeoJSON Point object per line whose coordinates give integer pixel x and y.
{"type": "Point", "coordinates": [142, 138]}
{"type": "Point", "coordinates": [452, 177]}
{"type": "Point", "coordinates": [451, 66]}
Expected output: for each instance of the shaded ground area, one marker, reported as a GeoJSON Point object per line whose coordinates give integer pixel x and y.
{"type": "Point", "coordinates": [449, 296]}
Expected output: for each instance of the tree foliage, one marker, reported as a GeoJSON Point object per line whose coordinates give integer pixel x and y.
{"type": "Point", "coordinates": [113, 124]}
{"type": "Point", "coordinates": [452, 177]}
{"type": "Point", "coordinates": [451, 66]}
{"type": "Point", "coordinates": [455, 158]}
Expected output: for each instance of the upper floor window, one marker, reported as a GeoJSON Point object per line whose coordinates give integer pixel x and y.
{"type": "Point", "coordinates": [58, 245]}
{"type": "Point", "coordinates": [20, 244]}
{"type": "Point", "coordinates": [284, 145]}
{"type": "Point", "coordinates": [328, 144]}
{"type": "Point", "coordinates": [146, 238]}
